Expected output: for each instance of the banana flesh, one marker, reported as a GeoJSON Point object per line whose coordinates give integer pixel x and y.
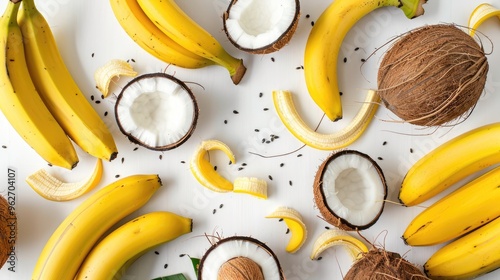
{"type": "Point", "coordinates": [295, 223]}
{"type": "Point", "coordinates": [251, 185]}
{"type": "Point", "coordinates": [480, 14]}
{"type": "Point", "coordinates": [130, 240]}
{"type": "Point", "coordinates": [111, 69]}
{"type": "Point", "coordinates": [324, 42]}
{"type": "Point", "coordinates": [58, 89]}
{"type": "Point", "coordinates": [337, 237]}
{"type": "Point", "coordinates": [67, 247]}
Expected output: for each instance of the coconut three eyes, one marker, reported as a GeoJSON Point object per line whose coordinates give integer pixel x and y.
{"type": "Point", "coordinates": [350, 190]}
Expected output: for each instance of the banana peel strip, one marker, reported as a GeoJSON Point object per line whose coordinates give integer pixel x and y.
{"type": "Point", "coordinates": [285, 107]}
{"type": "Point", "coordinates": [338, 237]}
{"type": "Point", "coordinates": [113, 68]}
{"type": "Point", "coordinates": [251, 185]}
{"type": "Point", "coordinates": [51, 188]}
{"type": "Point", "coordinates": [295, 223]}
{"type": "Point", "coordinates": [480, 14]}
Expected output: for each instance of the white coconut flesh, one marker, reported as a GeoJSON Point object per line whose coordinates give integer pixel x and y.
{"type": "Point", "coordinates": [253, 24]}
{"type": "Point", "coordinates": [156, 111]}
{"type": "Point", "coordinates": [353, 189]}
{"type": "Point", "coordinates": [230, 249]}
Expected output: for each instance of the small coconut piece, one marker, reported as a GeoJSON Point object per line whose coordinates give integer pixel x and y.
{"type": "Point", "coordinates": [350, 190]}
{"type": "Point", "coordinates": [433, 75]}
{"type": "Point", "coordinates": [239, 257]}
{"type": "Point", "coordinates": [157, 111]}
{"type": "Point", "coordinates": [379, 264]}
{"type": "Point", "coordinates": [7, 233]}
{"type": "Point", "coordinates": [261, 26]}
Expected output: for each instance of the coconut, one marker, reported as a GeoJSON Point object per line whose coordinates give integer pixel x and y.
{"type": "Point", "coordinates": [7, 234]}
{"type": "Point", "coordinates": [432, 75]}
{"type": "Point", "coordinates": [239, 257]}
{"type": "Point", "coordinates": [157, 111]}
{"type": "Point", "coordinates": [261, 26]}
{"type": "Point", "coordinates": [350, 190]}
{"type": "Point", "coordinates": [378, 264]}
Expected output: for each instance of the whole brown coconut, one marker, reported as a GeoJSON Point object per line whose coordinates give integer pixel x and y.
{"type": "Point", "coordinates": [7, 236]}
{"type": "Point", "coordinates": [379, 264]}
{"type": "Point", "coordinates": [432, 75]}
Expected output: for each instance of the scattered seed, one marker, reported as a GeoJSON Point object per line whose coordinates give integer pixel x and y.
{"type": "Point", "coordinates": [287, 231]}
{"type": "Point", "coordinates": [123, 159]}
{"type": "Point", "coordinates": [161, 157]}
{"type": "Point", "coordinates": [230, 163]}
{"type": "Point", "coordinates": [136, 148]}
{"type": "Point", "coordinates": [165, 266]}
{"type": "Point", "coordinates": [92, 97]}
{"type": "Point", "coordinates": [266, 109]}
{"type": "Point", "coordinates": [261, 94]}
{"type": "Point", "coordinates": [282, 164]}
{"type": "Point", "coordinates": [182, 255]}
{"type": "Point", "coordinates": [308, 16]}
{"type": "Point", "coordinates": [220, 206]}
{"type": "Point", "coordinates": [380, 158]}
{"type": "Point", "coordinates": [133, 60]}
{"type": "Point", "coordinates": [341, 93]}
{"type": "Point", "coordinates": [92, 54]}
{"type": "Point", "coordinates": [244, 164]}
{"type": "Point", "coordinates": [384, 143]}
{"type": "Point", "coordinates": [272, 59]}
{"type": "Point", "coordinates": [299, 155]}
{"type": "Point", "coordinates": [215, 210]}
{"type": "Point", "coordinates": [290, 183]}
{"type": "Point", "coordinates": [256, 130]}
{"type": "Point", "coordinates": [97, 101]}
{"type": "Point", "coordinates": [182, 161]}
{"type": "Point", "coordinates": [240, 168]}
{"type": "Point", "coordinates": [235, 112]}
{"type": "Point", "coordinates": [299, 67]}
{"type": "Point", "coordinates": [345, 59]}
{"type": "Point", "coordinates": [225, 121]}
{"type": "Point", "coordinates": [320, 258]}
{"type": "Point", "coordinates": [280, 220]}
{"type": "Point", "coordinates": [356, 49]}
{"type": "Point", "coordinates": [267, 142]}
{"type": "Point", "coordinates": [312, 23]}
{"type": "Point", "coordinates": [411, 150]}
{"type": "Point", "coordinates": [327, 227]}
{"type": "Point", "coordinates": [105, 113]}
{"type": "Point", "coordinates": [157, 253]}
{"type": "Point", "coordinates": [102, 96]}
{"type": "Point", "coordinates": [215, 167]}
{"type": "Point", "coordinates": [363, 60]}
{"type": "Point", "coordinates": [263, 140]}
{"type": "Point", "coordinates": [3, 146]}
{"type": "Point", "coordinates": [270, 177]}
{"type": "Point", "coordinates": [117, 176]}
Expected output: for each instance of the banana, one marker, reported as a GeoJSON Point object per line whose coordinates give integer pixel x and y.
{"type": "Point", "coordinates": [58, 89]}
{"type": "Point", "coordinates": [66, 249]}
{"type": "Point", "coordinates": [176, 24]}
{"type": "Point", "coordinates": [21, 104]}
{"type": "Point", "coordinates": [145, 33]}
{"type": "Point", "coordinates": [130, 240]}
{"type": "Point", "coordinates": [451, 162]}
{"type": "Point", "coordinates": [468, 257]}
{"type": "Point", "coordinates": [325, 40]}
{"type": "Point", "coordinates": [458, 213]}
{"type": "Point", "coordinates": [295, 224]}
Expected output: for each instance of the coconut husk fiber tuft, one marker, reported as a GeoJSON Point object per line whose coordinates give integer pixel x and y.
{"type": "Point", "coordinates": [433, 75]}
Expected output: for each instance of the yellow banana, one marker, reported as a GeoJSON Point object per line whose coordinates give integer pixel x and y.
{"type": "Point", "coordinates": [325, 40]}
{"type": "Point", "coordinates": [145, 33]}
{"type": "Point", "coordinates": [57, 88]}
{"type": "Point", "coordinates": [21, 104]}
{"type": "Point", "coordinates": [130, 240]}
{"type": "Point", "coordinates": [451, 162]}
{"type": "Point", "coordinates": [468, 257]}
{"type": "Point", "coordinates": [458, 213]}
{"type": "Point", "coordinates": [66, 249]}
{"type": "Point", "coordinates": [176, 24]}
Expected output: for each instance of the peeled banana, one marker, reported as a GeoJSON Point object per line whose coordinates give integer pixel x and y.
{"type": "Point", "coordinates": [66, 249]}
{"type": "Point", "coordinates": [325, 39]}
{"type": "Point", "coordinates": [58, 89]}
{"type": "Point", "coordinates": [21, 104]}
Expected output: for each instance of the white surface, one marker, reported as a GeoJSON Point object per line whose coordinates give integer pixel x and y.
{"type": "Point", "coordinates": [89, 36]}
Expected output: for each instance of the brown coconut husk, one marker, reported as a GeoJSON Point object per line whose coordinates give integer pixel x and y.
{"type": "Point", "coordinates": [6, 235]}
{"type": "Point", "coordinates": [240, 268]}
{"type": "Point", "coordinates": [433, 75]}
{"type": "Point", "coordinates": [379, 264]}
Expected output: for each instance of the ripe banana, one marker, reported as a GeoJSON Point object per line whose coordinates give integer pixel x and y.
{"type": "Point", "coordinates": [176, 24]}
{"type": "Point", "coordinates": [132, 239]}
{"type": "Point", "coordinates": [451, 162]}
{"type": "Point", "coordinates": [21, 104]}
{"type": "Point", "coordinates": [325, 40]}
{"type": "Point", "coordinates": [58, 89]}
{"type": "Point", "coordinates": [469, 256]}
{"type": "Point", "coordinates": [458, 213]}
{"type": "Point", "coordinates": [66, 249]}
{"type": "Point", "coordinates": [145, 33]}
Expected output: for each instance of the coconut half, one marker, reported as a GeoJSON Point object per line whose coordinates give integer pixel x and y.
{"type": "Point", "coordinates": [239, 257]}
{"type": "Point", "coordinates": [157, 111]}
{"type": "Point", "coordinates": [350, 190]}
{"type": "Point", "coordinates": [261, 26]}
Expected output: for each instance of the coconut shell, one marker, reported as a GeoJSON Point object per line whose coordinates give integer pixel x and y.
{"type": "Point", "coordinates": [432, 75]}
{"type": "Point", "coordinates": [320, 198]}
{"type": "Point", "coordinates": [379, 264]}
{"type": "Point", "coordinates": [6, 235]}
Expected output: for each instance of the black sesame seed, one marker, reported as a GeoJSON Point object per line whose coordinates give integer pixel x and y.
{"type": "Point", "coordinates": [136, 148]}
{"type": "Point", "coordinates": [290, 183]}
{"type": "Point", "coordinates": [308, 16]}
{"type": "Point", "coordinates": [380, 158]}
{"type": "Point", "coordinates": [117, 176]}
{"type": "Point", "coordinates": [356, 49]}
{"type": "Point", "coordinates": [213, 211]}
{"type": "Point", "coordinates": [215, 167]}
{"type": "Point", "coordinates": [327, 227]}
{"type": "Point", "coordinates": [160, 157]}
{"type": "Point", "coordinates": [299, 155]}
{"type": "Point", "coordinates": [261, 94]}
{"type": "Point", "coordinates": [133, 60]}
{"type": "Point", "coordinates": [123, 159]}
{"type": "Point", "coordinates": [102, 96]}
{"type": "Point", "coordinates": [157, 253]}
{"type": "Point", "coordinates": [312, 23]}
{"type": "Point", "coordinates": [384, 143]}
{"type": "Point", "coordinates": [256, 130]}
{"type": "Point", "coordinates": [282, 164]}
{"type": "Point", "coordinates": [280, 220]}
{"type": "Point", "coordinates": [320, 258]}
{"type": "Point", "coordinates": [345, 59]}
{"type": "Point", "coordinates": [272, 59]}
{"type": "Point", "coordinates": [92, 97]}
{"type": "Point", "coordinates": [287, 231]}
{"type": "Point", "coordinates": [105, 113]}
{"type": "Point", "coordinates": [240, 168]}
{"type": "Point", "coordinates": [220, 206]}
{"type": "Point", "coordinates": [341, 93]}
{"type": "Point", "coordinates": [230, 162]}
{"type": "Point", "coordinates": [267, 142]}
{"type": "Point", "coordinates": [97, 101]}
{"type": "Point", "coordinates": [165, 266]}
{"type": "Point", "coordinates": [270, 177]}
{"type": "Point", "coordinates": [225, 121]}
{"type": "Point", "coordinates": [363, 60]}
{"type": "Point", "coordinates": [182, 161]}
{"type": "Point", "coordinates": [182, 255]}
{"type": "Point", "coordinates": [266, 109]}
{"type": "Point", "coordinates": [298, 67]}
{"type": "Point", "coordinates": [235, 112]}
{"type": "Point", "coordinates": [92, 54]}
{"type": "Point", "coordinates": [3, 146]}
{"type": "Point", "coordinates": [263, 140]}
{"type": "Point", "coordinates": [411, 150]}
{"type": "Point", "coordinates": [244, 164]}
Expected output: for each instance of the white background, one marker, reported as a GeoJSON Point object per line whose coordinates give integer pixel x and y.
{"type": "Point", "coordinates": [88, 36]}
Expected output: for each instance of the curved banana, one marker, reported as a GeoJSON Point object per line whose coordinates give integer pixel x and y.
{"type": "Point", "coordinates": [458, 213]}
{"type": "Point", "coordinates": [468, 257]}
{"type": "Point", "coordinates": [58, 89]}
{"type": "Point", "coordinates": [481, 13]}
{"type": "Point", "coordinates": [338, 237]}
{"type": "Point", "coordinates": [451, 162]}
{"type": "Point", "coordinates": [295, 224]}
{"type": "Point", "coordinates": [130, 240]}
{"type": "Point", "coordinates": [145, 33]}
{"type": "Point", "coordinates": [66, 249]}
{"type": "Point", "coordinates": [20, 102]}
{"type": "Point", "coordinates": [283, 102]}
{"type": "Point", "coordinates": [325, 40]}
{"type": "Point", "coordinates": [176, 24]}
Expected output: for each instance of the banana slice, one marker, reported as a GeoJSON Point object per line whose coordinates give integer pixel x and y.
{"type": "Point", "coordinates": [338, 237]}
{"type": "Point", "coordinates": [204, 171]}
{"type": "Point", "coordinates": [113, 68]}
{"type": "Point", "coordinates": [51, 188]}
{"type": "Point", "coordinates": [294, 221]}
{"type": "Point", "coordinates": [283, 102]}
{"type": "Point", "coordinates": [251, 185]}
{"type": "Point", "coordinates": [480, 14]}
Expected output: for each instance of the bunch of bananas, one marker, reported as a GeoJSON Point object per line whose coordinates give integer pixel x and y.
{"type": "Point", "coordinates": [164, 30]}
{"type": "Point", "coordinates": [39, 96]}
